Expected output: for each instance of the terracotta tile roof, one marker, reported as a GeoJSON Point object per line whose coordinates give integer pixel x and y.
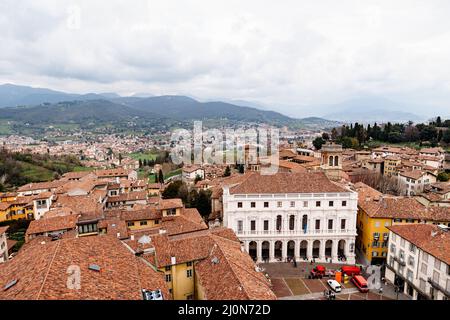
{"type": "Point", "coordinates": [75, 175]}
{"type": "Point", "coordinates": [308, 182]}
{"type": "Point", "coordinates": [170, 204]}
{"type": "Point", "coordinates": [5, 205]}
{"type": "Point", "coordinates": [228, 273]}
{"type": "Point", "coordinates": [292, 166]}
{"type": "Point", "coordinates": [191, 168]}
{"type": "Point", "coordinates": [41, 185]}
{"type": "Point", "coordinates": [3, 229]}
{"type": "Point", "coordinates": [130, 196]}
{"type": "Point", "coordinates": [78, 204]}
{"type": "Point", "coordinates": [413, 174]}
{"type": "Point", "coordinates": [42, 271]}
{"type": "Point", "coordinates": [111, 172]}
{"type": "Point", "coordinates": [52, 224]}
{"type": "Point", "coordinates": [142, 214]}
{"type": "Point", "coordinates": [430, 238]}
{"type": "Point", "coordinates": [10, 243]}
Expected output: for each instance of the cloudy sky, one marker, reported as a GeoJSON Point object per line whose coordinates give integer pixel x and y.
{"type": "Point", "coordinates": [287, 55]}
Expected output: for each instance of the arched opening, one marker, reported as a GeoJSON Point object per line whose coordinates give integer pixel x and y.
{"type": "Point", "coordinates": [291, 222]}
{"type": "Point", "coordinates": [304, 249]}
{"type": "Point", "coordinates": [341, 249]}
{"type": "Point", "coordinates": [328, 248]}
{"type": "Point", "coordinates": [316, 249]}
{"type": "Point", "coordinates": [278, 249]}
{"type": "Point", "coordinates": [291, 249]}
{"type": "Point", "coordinates": [336, 161]}
{"type": "Point", "coordinates": [252, 248]}
{"type": "Point", "coordinates": [304, 223]}
{"type": "Point", "coordinates": [279, 223]}
{"type": "Point", "coordinates": [330, 161]}
{"type": "Point", "coordinates": [265, 250]}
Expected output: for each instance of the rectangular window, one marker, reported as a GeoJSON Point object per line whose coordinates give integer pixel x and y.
{"type": "Point", "coordinates": [240, 226]}
{"type": "Point", "coordinates": [317, 224]}
{"type": "Point", "coordinates": [412, 247]}
{"type": "Point", "coordinates": [343, 224]}
{"type": "Point", "coordinates": [189, 273]}
{"type": "Point", "coordinates": [424, 268]}
{"type": "Point", "coordinates": [317, 203]}
{"type": "Point", "coordinates": [168, 277]}
{"type": "Point", "coordinates": [253, 225]}
{"type": "Point", "coordinates": [330, 224]}
{"type": "Point", "coordinates": [422, 285]}
{"type": "Point", "coordinates": [437, 264]}
{"type": "Point", "coordinates": [157, 221]}
{"type": "Point", "coordinates": [344, 203]}
{"type": "Point", "coordinates": [130, 223]}
{"type": "Point", "coordinates": [292, 204]}
{"type": "Point", "coordinates": [425, 257]}
{"type": "Point", "coordinates": [411, 261]}
{"type": "Point", "coordinates": [305, 204]}
{"type": "Point", "coordinates": [253, 204]}
{"type": "Point", "coordinates": [330, 203]}
{"type": "Point", "coordinates": [239, 204]}
{"type": "Point", "coordinates": [266, 204]}
{"type": "Point", "coordinates": [143, 223]}
{"type": "Point", "coordinates": [279, 204]}
{"type": "Point", "coordinates": [436, 276]}
{"type": "Point", "coordinates": [167, 268]}
{"type": "Point", "coordinates": [189, 264]}
{"type": "Point", "coordinates": [266, 225]}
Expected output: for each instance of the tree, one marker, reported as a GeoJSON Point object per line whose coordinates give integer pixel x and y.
{"type": "Point", "coordinates": [325, 136]}
{"type": "Point", "coordinates": [440, 136]}
{"type": "Point", "coordinates": [120, 158]}
{"type": "Point", "coordinates": [227, 172]}
{"type": "Point", "coordinates": [172, 190]}
{"type": "Point", "coordinates": [140, 163]}
{"type": "Point", "coordinates": [446, 136]}
{"type": "Point", "coordinates": [334, 134]}
{"type": "Point", "coordinates": [443, 177]}
{"type": "Point", "coordinates": [197, 178]}
{"type": "Point", "coordinates": [318, 143]}
{"type": "Point", "coordinates": [204, 203]}
{"type": "Point", "coordinates": [160, 177]}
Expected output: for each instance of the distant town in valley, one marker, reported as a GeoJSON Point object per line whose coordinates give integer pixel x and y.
{"type": "Point", "coordinates": [346, 198]}
{"type": "Point", "coordinates": [225, 159]}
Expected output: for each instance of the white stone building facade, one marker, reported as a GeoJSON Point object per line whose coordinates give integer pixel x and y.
{"type": "Point", "coordinates": [278, 226]}
{"type": "Point", "coordinates": [416, 272]}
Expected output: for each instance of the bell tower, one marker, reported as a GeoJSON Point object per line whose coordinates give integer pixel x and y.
{"type": "Point", "coordinates": [331, 162]}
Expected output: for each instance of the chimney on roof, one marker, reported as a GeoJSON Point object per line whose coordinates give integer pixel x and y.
{"type": "Point", "coordinates": [118, 234]}
{"type": "Point", "coordinates": [132, 237]}
{"type": "Point", "coordinates": [173, 260]}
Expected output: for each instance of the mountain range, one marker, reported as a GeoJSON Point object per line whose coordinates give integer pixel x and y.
{"type": "Point", "coordinates": [38, 106]}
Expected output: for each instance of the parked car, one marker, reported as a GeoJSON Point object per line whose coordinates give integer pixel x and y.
{"type": "Point", "coordinates": [333, 284]}
{"type": "Point", "coordinates": [360, 283]}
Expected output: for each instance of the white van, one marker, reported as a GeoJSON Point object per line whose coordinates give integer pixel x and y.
{"type": "Point", "coordinates": [334, 285]}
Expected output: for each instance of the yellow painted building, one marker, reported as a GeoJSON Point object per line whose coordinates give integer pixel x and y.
{"type": "Point", "coordinates": [376, 212]}
{"type": "Point", "coordinates": [180, 279]}
{"type": "Point", "coordinates": [16, 210]}
{"type": "Point", "coordinates": [390, 165]}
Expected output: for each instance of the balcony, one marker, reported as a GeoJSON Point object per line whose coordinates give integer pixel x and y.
{"type": "Point", "coordinates": [401, 261]}
{"type": "Point", "coordinates": [437, 286]}
{"type": "Point", "coordinates": [294, 232]}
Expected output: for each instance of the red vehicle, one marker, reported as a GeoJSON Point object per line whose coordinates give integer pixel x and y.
{"type": "Point", "coordinates": [351, 270]}
{"type": "Point", "coordinates": [360, 283]}
{"type": "Point", "coordinates": [320, 271]}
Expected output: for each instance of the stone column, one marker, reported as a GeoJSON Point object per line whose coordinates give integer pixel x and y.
{"type": "Point", "coordinates": [271, 250]}
{"type": "Point", "coordinates": [322, 250]}
{"type": "Point", "coordinates": [334, 251]}
{"type": "Point", "coordinates": [284, 250]}
{"type": "Point", "coordinates": [309, 250]}
{"type": "Point", "coordinates": [259, 251]}
{"type": "Point", "coordinates": [297, 250]}
{"type": "Point", "coordinates": [246, 246]}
